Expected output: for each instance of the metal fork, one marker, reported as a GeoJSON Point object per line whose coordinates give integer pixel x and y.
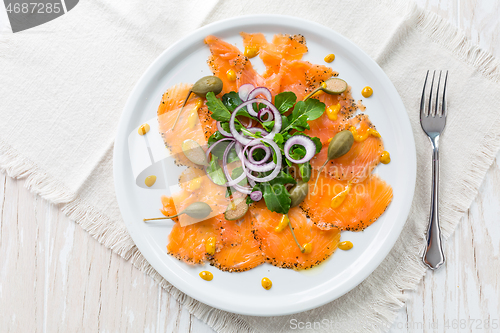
{"type": "Point", "coordinates": [433, 121]}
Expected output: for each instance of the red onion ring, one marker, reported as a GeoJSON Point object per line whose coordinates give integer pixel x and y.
{"type": "Point", "coordinates": [303, 141]}
{"type": "Point", "coordinates": [221, 130]}
{"type": "Point", "coordinates": [207, 154]}
{"type": "Point", "coordinates": [277, 169]}
{"type": "Point", "coordinates": [263, 112]}
{"type": "Point", "coordinates": [264, 159]}
{"type": "Point", "coordinates": [256, 195]}
{"type": "Point", "coordinates": [244, 90]}
{"type": "Point", "coordinates": [256, 92]}
{"type": "Point", "coordinates": [277, 121]}
{"type": "Point", "coordinates": [230, 181]}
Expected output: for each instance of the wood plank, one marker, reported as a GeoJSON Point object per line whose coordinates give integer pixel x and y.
{"type": "Point", "coordinates": [21, 260]}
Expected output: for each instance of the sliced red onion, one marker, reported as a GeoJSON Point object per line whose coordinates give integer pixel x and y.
{"type": "Point", "coordinates": [244, 90]}
{"type": "Point", "coordinates": [207, 154]}
{"type": "Point", "coordinates": [256, 195]}
{"type": "Point", "coordinates": [230, 181]}
{"type": "Point", "coordinates": [221, 130]}
{"type": "Point", "coordinates": [256, 92]}
{"type": "Point", "coordinates": [277, 168]}
{"type": "Point", "coordinates": [303, 141]}
{"type": "Point", "coordinates": [277, 121]}
{"type": "Point", "coordinates": [263, 112]}
{"type": "Point", "coordinates": [267, 150]}
{"type": "Point", "coordinates": [254, 130]}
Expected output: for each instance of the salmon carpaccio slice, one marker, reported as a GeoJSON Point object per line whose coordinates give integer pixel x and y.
{"type": "Point", "coordinates": [283, 46]}
{"type": "Point", "coordinates": [172, 101]}
{"type": "Point", "coordinates": [302, 77]}
{"type": "Point", "coordinates": [362, 206]}
{"type": "Point", "coordinates": [280, 248]}
{"type": "Point", "coordinates": [237, 249]}
{"type": "Point", "coordinates": [225, 57]}
{"type": "Point", "coordinates": [361, 159]}
{"type": "Point", "coordinates": [188, 243]}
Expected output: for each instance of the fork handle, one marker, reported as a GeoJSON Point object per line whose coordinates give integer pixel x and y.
{"type": "Point", "coordinates": [434, 256]}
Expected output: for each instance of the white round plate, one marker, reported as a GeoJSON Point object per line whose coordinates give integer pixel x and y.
{"type": "Point", "coordinates": [292, 291]}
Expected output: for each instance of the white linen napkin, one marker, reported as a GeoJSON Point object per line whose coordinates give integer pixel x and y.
{"type": "Point", "coordinates": [64, 84]}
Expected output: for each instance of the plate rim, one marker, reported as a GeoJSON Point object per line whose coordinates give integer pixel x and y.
{"type": "Point", "coordinates": [232, 23]}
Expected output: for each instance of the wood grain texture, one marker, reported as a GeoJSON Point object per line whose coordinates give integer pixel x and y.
{"type": "Point", "coordinates": [55, 278]}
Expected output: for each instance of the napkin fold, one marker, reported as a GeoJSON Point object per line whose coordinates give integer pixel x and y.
{"type": "Point", "coordinates": [64, 84]}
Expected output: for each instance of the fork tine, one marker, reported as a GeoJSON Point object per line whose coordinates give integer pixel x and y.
{"type": "Point", "coordinates": [437, 98]}
{"type": "Point", "coordinates": [444, 109]}
{"type": "Point", "coordinates": [429, 107]}
{"type": "Point", "coordinates": [422, 100]}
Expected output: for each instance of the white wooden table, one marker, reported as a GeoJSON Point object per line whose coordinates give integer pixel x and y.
{"type": "Point", "coordinates": [55, 277]}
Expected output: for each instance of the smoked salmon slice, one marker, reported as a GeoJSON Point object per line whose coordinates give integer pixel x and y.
{"type": "Point", "coordinates": [280, 248]}
{"type": "Point", "coordinates": [362, 206]}
{"type": "Point", "coordinates": [237, 249]}
{"type": "Point", "coordinates": [361, 159]}
{"type": "Point", "coordinates": [302, 77]}
{"type": "Point", "coordinates": [188, 243]}
{"type": "Point", "coordinates": [225, 57]}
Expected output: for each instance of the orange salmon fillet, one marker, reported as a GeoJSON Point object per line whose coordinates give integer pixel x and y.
{"type": "Point", "coordinates": [363, 205]}
{"type": "Point", "coordinates": [280, 248]}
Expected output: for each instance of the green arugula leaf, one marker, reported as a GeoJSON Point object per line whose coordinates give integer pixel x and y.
{"type": "Point", "coordinates": [215, 171]}
{"type": "Point", "coordinates": [231, 100]}
{"type": "Point", "coordinates": [218, 109]}
{"type": "Point", "coordinates": [218, 151]}
{"type": "Point", "coordinates": [277, 198]}
{"type": "Point", "coordinates": [302, 113]}
{"type": "Point", "coordinates": [284, 101]}
{"type": "Point", "coordinates": [278, 138]}
{"type": "Point", "coordinates": [215, 137]}
{"type": "Point", "coordinates": [305, 171]}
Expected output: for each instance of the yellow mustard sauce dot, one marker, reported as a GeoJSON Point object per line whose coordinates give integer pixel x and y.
{"type": "Point", "coordinates": [193, 115]}
{"type": "Point", "coordinates": [210, 246]}
{"type": "Point", "coordinates": [231, 75]}
{"type": "Point", "coordinates": [250, 51]}
{"type": "Point", "coordinates": [329, 58]}
{"type": "Point", "coordinates": [367, 92]}
{"type": "Point", "coordinates": [307, 247]}
{"type": "Point", "coordinates": [150, 181]}
{"type": "Point", "coordinates": [143, 129]}
{"type": "Point", "coordinates": [333, 111]}
{"type": "Point", "coordinates": [194, 184]}
{"type": "Point", "coordinates": [385, 158]}
{"type": "Point", "coordinates": [345, 245]}
{"type": "Point", "coordinates": [338, 199]}
{"type": "Point", "coordinates": [283, 223]}
{"type": "Point", "coordinates": [266, 283]}
{"type": "Point", "coordinates": [206, 275]}
{"type": "Point", "coordinates": [363, 137]}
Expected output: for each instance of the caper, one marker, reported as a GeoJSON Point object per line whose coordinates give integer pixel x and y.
{"type": "Point", "coordinates": [193, 151]}
{"type": "Point", "coordinates": [207, 84]}
{"type": "Point", "coordinates": [339, 146]}
{"type": "Point", "coordinates": [201, 87]}
{"type": "Point", "coordinates": [236, 209]}
{"type": "Point", "coordinates": [332, 86]}
{"type": "Point", "coordinates": [298, 193]}
{"type": "Point", "coordinates": [197, 210]}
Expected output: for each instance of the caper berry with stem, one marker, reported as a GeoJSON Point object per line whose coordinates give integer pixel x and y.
{"type": "Point", "coordinates": [203, 86]}
{"type": "Point", "coordinates": [339, 146]}
{"type": "Point", "coordinates": [197, 210]}
{"type": "Point", "coordinates": [298, 193]}
{"type": "Point", "coordinates": [332, 86]}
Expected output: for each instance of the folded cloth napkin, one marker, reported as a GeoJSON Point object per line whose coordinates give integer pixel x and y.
{"type": "Point", "coordinates": [64, 85]}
